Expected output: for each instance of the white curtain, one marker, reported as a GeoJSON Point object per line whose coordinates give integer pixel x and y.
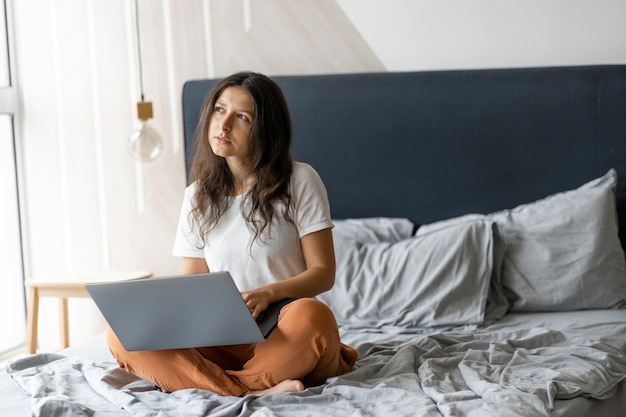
{"type": "Point", "coordinates": [89, 205]}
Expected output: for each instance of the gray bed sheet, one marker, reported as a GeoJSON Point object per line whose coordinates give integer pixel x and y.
{"type": "Point", "coordinates": [516, 366]}
{"type": "Point", "coordinates": [15, 403]}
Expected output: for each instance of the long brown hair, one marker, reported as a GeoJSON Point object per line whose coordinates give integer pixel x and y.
{"type": "Point", "coordinates": [270, 158]}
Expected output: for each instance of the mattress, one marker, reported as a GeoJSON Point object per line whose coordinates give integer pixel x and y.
{"type": "Point", "coordinates": [390, 377]}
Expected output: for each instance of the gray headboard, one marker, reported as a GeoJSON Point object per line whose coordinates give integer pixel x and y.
{"type": "Point", "coordinates": [432, 145]}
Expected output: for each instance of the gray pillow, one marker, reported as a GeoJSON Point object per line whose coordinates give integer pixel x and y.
{"type": "Point", "coordinates": [497, 302]}
{"type": "Point", "coordinates": [563, 252]}
{"type": "Point", "coordinates": [438, 279]}
{"type": "Point", "coordinates": [373, 229]}
{"type": "Point", "coordinates": [350, 234]}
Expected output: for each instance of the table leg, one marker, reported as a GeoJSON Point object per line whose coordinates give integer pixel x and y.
{"type": "Point", "coordinates": [63, 323]}
{"type": "Point", "coordinates": [31, 320]}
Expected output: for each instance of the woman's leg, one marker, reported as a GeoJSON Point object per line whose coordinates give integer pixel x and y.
{"type": "Point", "coordinates": [304, 346]}
{"type": "Point", "coordinates": [176, 369]}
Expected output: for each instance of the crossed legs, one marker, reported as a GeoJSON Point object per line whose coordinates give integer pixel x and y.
{"type": "Point", "coordinates": [304, 349]}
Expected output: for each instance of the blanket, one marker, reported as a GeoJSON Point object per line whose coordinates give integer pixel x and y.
{"type": "Point", "coordinates": [506, 373]}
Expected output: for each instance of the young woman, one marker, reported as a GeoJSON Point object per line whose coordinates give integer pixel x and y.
{"type": "Point", "coordinates": [253, 211]}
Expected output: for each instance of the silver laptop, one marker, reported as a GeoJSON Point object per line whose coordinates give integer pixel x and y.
{"type": "Point", "coordinates": [181, 312]}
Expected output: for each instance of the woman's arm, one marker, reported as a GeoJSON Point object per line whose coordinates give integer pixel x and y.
{"type": "Point", "coordinates": [193, 266]}
{"type": "Point", "coordinates": [319, 276]}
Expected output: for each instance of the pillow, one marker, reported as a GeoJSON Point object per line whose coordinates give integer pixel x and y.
{"type": "Point", "coordinates": [439, 279]}
{"type": "Point", "coordinates": [373, 229]}
{"type": "Point", "coordinates": [497, 302]}
{"type": "Point", "coordinates": [563, 252]}
{"type": "Point", "coordinates": [350, 234]}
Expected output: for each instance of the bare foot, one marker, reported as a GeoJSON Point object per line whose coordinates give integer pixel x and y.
{"type": "Point", "coordinates": [288, 385]}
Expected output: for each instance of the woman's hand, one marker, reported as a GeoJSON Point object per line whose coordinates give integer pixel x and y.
{"type": "Point", "coordinates": [257, 300]}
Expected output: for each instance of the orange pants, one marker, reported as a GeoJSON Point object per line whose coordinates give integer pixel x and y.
{"type": "Point", "coordinates": [305, 345]}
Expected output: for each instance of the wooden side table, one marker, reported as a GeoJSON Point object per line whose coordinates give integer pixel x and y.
{"type": "Point", "coordinates": [64, 286]}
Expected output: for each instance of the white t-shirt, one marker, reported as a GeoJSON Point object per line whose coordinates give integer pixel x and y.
{"type": "Point", "coordinates": [274, 256]}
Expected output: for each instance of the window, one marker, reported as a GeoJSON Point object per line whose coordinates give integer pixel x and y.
{"type": "Point", "coordinates": [5, 80]}
{"type": "Point", "coordinates": [12, 308]}
{"type": "Point", "coordinates": [11, 275]}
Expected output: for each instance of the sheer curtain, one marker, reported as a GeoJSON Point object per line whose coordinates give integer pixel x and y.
{"type": "Point", "coordinates": [11, 288]}
{"type": "Point", "coordinates": [11, 259]}
{"type": "Point", "coordinates": [88, 204]}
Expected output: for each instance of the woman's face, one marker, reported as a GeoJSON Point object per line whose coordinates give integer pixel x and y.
{"type": "Point", "coordinates": [230, 124]}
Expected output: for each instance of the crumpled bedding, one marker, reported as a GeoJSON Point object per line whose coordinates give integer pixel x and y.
{"type": "Point", "coordinates": [503, 373]}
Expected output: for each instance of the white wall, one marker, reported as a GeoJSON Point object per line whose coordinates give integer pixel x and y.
{"type": "Point", "coordinates": [90, 206]}
{"type": "Point", "coordinates": [449, 34]}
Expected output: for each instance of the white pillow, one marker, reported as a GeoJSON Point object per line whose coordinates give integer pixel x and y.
{"type": "Point", "coordinates": [439, 279]}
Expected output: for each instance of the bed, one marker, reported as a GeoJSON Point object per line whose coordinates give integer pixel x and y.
{"type": "Point", "coordinates": [479, 226]}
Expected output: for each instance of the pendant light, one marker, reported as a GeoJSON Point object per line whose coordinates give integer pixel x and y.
{"type": "Point", "coordinates": [144, 143]}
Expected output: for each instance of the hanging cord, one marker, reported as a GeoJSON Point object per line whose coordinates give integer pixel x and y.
{"type": "Point", "coordinates": [138, 48]}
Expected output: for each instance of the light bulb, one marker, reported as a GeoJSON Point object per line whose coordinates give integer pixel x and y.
{"type": "Point", "coordinates": [144, 143]}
